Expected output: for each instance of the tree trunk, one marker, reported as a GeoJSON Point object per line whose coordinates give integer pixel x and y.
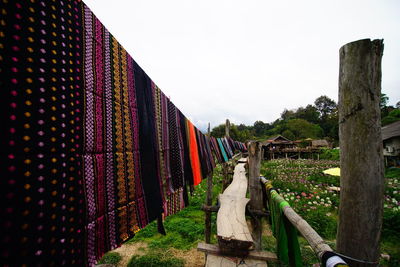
{"type": "Point", "coordinates": [256, 202]}
{"type": "Point", "coordinates": [361, 158]}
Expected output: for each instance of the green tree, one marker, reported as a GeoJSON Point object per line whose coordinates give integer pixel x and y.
{"type": "Point", "coordinates": [218, 131]}
{"type": "Point", "coordinates": [393, 116]}
{"type": "Point", "coordinates": [260, 128]}
{"type": "Point", "coordinates": [309, 113]}
{"type": "Point", "coordinates": [304, 129]}
{"type": "Point", "coordinates": [288, 134]}
{"type": "Point", "coordinates": [325, 106]}
{"type": "Point", "coordinates": [288, 114]}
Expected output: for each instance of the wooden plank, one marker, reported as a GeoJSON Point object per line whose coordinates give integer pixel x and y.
{"type": "Point", "coordinates": [238, 187]}
{"type": "Point", "coordinates": [255, 255]}
{"type": "Point", "coordinates": [233, 233]}
{"type": "Point", "coordinates": [220, 261]}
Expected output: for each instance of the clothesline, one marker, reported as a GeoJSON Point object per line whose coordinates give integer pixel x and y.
{"type": "Point", "coordinates": [92, 149]}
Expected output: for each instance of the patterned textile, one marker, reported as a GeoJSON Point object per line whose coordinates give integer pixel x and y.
{"type": "Point", "coordinates": [42, 210]}
{"type": "Point", "coordinates": [92, 150]}
{"type": "Point", "coordinates": [215, 150]}
{"type": "Point", "coordinates": [222, 149]}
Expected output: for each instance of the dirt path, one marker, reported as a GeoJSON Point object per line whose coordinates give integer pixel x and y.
{"type": "Point", "coordinates": [128, 250]}
{"type": "Point", "coordinates": [193, 258]}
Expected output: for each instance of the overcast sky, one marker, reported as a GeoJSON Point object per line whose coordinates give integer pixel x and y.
{"type": "Point", "coordinates": [247, 60]}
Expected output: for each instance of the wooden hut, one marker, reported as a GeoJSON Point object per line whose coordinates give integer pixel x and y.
{"type": "Point", "coordinates": [391, 144]}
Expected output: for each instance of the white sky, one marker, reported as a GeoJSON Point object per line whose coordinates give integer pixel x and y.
{"type": "Point", "coordinates": [247, 60]}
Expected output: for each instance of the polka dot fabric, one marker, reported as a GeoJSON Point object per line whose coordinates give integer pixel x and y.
{"type": "Point", "coordinates": [91, 149]}
{"type": "Point", "coordinates": [41, 92]}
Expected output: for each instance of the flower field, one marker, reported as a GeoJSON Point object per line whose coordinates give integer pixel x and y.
{"type": "Point", "coordinates": [314, 196]}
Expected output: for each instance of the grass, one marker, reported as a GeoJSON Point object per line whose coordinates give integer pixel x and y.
{"type": "Point", "coordinates": [156, 259]}
{"type": "Point", "coordinates": [185, 228]}
{"type": "Point", "coordinates": [110, 258]}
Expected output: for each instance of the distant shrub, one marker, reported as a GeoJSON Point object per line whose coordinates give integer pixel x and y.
{"type": "Point", "coordinates": [330, 154]}
{"type": "Point", "coordinates": [392, 173]}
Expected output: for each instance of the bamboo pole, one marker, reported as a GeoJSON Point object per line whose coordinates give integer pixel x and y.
{"type": "Point", "coordinates": [316, 242]}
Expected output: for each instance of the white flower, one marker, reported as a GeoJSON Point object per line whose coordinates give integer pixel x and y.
{"type": "Point", "coordinates": [317, 197]}
{"type": "Point", "coordinates": [309, 203]}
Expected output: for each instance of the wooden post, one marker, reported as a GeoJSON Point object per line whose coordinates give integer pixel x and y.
{"type": "Point", "coordinates": [361, 154]}
{"type": "Point", "coordinates": [256, 202]}
{"type": "Point", "coordinates": [209, 203]}
{"type": "Point", "coordinates": [227, 127]}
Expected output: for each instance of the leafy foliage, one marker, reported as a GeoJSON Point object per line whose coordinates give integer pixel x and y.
{"type": "Point", "coordinates": [330, 154]}
{"type": "Point", "coordinates": [393, 116]}
{"type": "Point", "coordinates": [313, 121]}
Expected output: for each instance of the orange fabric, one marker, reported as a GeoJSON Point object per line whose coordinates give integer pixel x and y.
{"type": "Point", "coordinates": [194, 154]}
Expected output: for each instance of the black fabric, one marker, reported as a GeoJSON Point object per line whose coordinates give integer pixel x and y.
{"type": "Point", "coordinates": [40, 206]}
{"type": "Point", "coordinates": [147, 143]}
{"type": "Point", "coordinates": [174, 152]}
{"type": "Point", "coordinates": [188, 172]}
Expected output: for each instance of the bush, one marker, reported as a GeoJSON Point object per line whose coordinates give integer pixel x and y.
{"type": "Point", "coordinates": [391, 225]}
{"type": "Point", "coordinates": [110, 258]}
{"type": "Point", "coordinates": [392, 173]}
{"type": "Point", "coordinates": [330, 154]}
{"type": "Point", "coordinates": [155, 260]}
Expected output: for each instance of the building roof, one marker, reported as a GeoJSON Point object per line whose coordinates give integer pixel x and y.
{"type": "Point", "coordinates": [319, 143]}
{"type": "Point", "coordinates": [278, 138]}
{"type": "Point", "coordinates": [391, 130]}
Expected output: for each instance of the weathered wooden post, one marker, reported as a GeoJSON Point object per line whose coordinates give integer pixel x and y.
{"type": "Point", "coordinates": [227, 127]}
{"type": "Point", "coordinates": [361, 158]}
{"type": "Point", "coordinates": [208, 203]}
{"type": "Point", "coordinates": [256, 202]}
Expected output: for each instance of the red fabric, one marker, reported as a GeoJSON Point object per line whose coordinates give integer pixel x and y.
{"type": "Point", "coordinates": [194, 154]}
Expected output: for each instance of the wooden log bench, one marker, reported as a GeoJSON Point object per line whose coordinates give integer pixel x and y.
{"type": "Point", "coordinates": [235, 242]}
{"type": "Point", "coordinates": [233, 233]}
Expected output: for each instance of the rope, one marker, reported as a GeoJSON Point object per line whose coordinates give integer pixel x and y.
{"type": "Point", "coordinates": [357, 260]}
